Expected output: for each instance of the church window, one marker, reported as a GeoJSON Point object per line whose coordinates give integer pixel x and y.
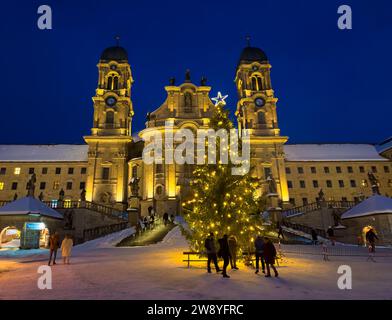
{"type": "Point", "coordinates": [338, 170]}
{"type": "Point", "coordinates": [350, 169]}
{"type": "Point", "coordinates": [288, 170]}
{"type": "Point", "coordinates": [159, 168]}
{"type": "Point", "coordinates": [341, 183]}
{"type": "Point", "coordinates": [257, 83]}
{"type": "Point", "coordinates": [361, 169]}
{"type": "Point", "coordinates": [70, 170]}
{"type": "Point", "coordinates": [83, 170]}
{"type": "Point", "coordinates": [353, 183]}
{"type": "Point", "coordinates": [42, 185]}
{"type": "Point", "coordinates": [188, 102]}
{"type": "Point", "coordinates": [3, 171]}
{"type": "Point", "coordinates": [313, 169]}
{"type": "Point", "coordinates": [105, 173]}
{"type": "Point", "coordinates": [289, 184]}
{"type": "Point", "coordinates": [69, 185]}
{"type": "Point", "coordinates": [1, 185]}
{"type": "Point", "coordinates": [14, 186]}
{"type": "Point", "coordinates": [44, 170]}
{"type": "Point", "coordinates": [302, 184]}
{"type": "Point", "coordinates": [159, 190]}
{"type": "Point", "coordinates": [261, 117]}
{"type": "Point", "coordinates": [267, 172]}
{"type": "Point", "coordinates": [17, 171]}
{"type": "Point", "coordinates": [109, 117]}
{"type": "Point", "coordinates": [110, 83]}
{"type": "Point", "coordinates": [82, 185]}
{"type": "Point", "coordinates": [326, 169]}
{"type": "Point", "coordinates": [115, 83]}
{"type": "Point", "coordinates": [58, 170]}
{"type": "Point", "coordinates": [315, 184]}
{"type": "Point", "coordinates": [300, 170]}
{"type": "Point", "coordinates": [329, 184]}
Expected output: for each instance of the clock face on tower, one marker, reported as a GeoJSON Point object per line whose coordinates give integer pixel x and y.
{"type": "Point", "coordinates": [110, 101]}
{"type": "Point", "coordinates": [259, 102]}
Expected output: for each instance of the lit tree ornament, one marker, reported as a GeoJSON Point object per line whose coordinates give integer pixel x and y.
{"type": "Point", "coordinates": [219, 99]}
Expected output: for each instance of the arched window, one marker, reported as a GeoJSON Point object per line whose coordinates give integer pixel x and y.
{"type": "Point", "coordinates": [257, 83]}
{"type": "Point", "coordinates": [115, 83]}
{"type": "Point", "coordinates": [261, 118]}
{"type": "Point", "coordinates": [110, 117]}
{"type": "Point", "coordinates": [110, 82]}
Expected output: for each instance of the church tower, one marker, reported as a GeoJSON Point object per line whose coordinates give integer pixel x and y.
{"type": "Point", "coordinates": [110, 137]}
{"type": "Point", "coordinates": [256, 111]}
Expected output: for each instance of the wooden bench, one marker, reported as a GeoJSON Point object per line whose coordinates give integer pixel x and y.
{"type": "Point", "coordinates": [244, 254]}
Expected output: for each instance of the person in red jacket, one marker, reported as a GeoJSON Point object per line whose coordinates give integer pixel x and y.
{"type": "Point", "coordinates": [269, 256]}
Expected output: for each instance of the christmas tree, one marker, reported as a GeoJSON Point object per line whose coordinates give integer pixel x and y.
{"type": "Point", "coordinates": [223, 203]}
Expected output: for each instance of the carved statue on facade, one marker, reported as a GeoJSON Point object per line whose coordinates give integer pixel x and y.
{"type": "Point", "coordinates": [83, 195]}
{"type": "Point", "coordinates": [321, 196]}
{"type": "Point", "coordinates": [272, 188]}
{"type": "Point", "coordinates": [31, 185]}
{"type": "Point", "coordinates": [61, 195]}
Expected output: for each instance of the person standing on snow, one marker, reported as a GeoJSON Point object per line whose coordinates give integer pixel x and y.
{"type": "Point", "coordinates": [331, 235]}
{"type": "Point", "coordinates": [209, 244]}
{"type": "Point", "coordinates": [233, 251]}
{"type": "Point", "coordinates": [66, 248]}
{"type": "Point", "coordinates": [224, 252]}
{"type": "Point", "coordinates": [259, 252]}
{"type": "Point", "coordinates": [54, 243]}
{"type": "Point", "coordinates": [371, 238]}
{"type": "Point", "coordinates": [269, 256]}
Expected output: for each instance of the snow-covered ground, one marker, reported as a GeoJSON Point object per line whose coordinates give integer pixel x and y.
{"type": "Point", "coordinates": [100, 271]}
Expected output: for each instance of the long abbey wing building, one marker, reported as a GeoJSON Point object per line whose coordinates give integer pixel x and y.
{"type": "Point", "coordinates": [109, 167]}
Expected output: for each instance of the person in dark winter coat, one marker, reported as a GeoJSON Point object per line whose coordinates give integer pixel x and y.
{"type": "Point", "coordinates": [209, 244]}
{"type": "Point", "coordinates": [371, 238]}
{"type": "Point", "coordinates": [269, 256]}
{"type": "Point", "coordinates": [54, 243]}
{"type": "Point", "coordinates": [259, 252]}
{"type": "Point", "coordinates": [165, 218]}
{"type": "Point", "coordinates": [314, 236]}
{"type": "Point", "coordinates": [233, 251]}
{"type": "Point", "coordinates": [331, 235]}
{"type": "Point", "coordinates": [224, 252]}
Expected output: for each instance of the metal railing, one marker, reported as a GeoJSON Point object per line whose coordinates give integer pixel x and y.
{"type": "Point", "coordinates": [303, 228]}
{"type": "Point", "coordinates": [70, 204]}
{"type": "Point", "coordinates": [317, 205]}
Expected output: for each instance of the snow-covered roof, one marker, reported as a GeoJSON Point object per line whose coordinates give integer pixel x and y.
{"type": "Point", "coordinates": [385, 145]}
{"type": "Point", "coordinates": [29, 205]}
{"type": "Point", "coordinates": [43, 153]}
{"type": "Point", "coordinates": [332, 152]}
{"type": "Point", "coordinates": [374, 205]}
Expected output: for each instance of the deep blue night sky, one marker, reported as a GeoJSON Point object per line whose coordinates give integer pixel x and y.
{"type": "Point", "coordinates": [333, 85]}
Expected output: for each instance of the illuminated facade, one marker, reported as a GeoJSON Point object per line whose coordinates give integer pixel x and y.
{"type": "Point", "coordinates": [111, 158]}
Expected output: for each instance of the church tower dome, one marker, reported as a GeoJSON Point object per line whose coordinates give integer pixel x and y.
{"type": "Point", "coordinates": [115, 53]}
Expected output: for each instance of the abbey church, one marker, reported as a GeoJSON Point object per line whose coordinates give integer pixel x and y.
{"type": "Point", "coordinates": [108, 169]}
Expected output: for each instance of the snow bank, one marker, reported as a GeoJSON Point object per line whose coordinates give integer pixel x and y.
{"type": "Point", "coordinates": [108, 241]}
{"type": "Point", "coordinates": [22, 253]}
{"type": "Point", "coordinates": [54, 152]}
{"type": "Point", "coordinates": [332, 152]}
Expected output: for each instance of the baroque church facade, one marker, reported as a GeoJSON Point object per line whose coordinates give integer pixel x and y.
{"type": "Point", "coordinates": [108, 169]}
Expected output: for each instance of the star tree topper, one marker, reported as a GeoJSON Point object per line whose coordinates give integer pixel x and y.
{"type": "Point", "coordinates": [220, 99]}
